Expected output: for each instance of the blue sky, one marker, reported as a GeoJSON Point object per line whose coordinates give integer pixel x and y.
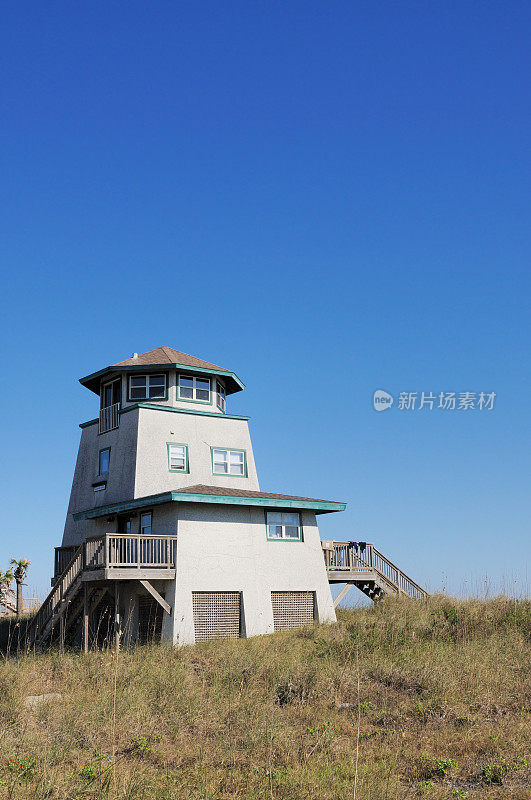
{"type": "Point", "coordinates": [326, 198]}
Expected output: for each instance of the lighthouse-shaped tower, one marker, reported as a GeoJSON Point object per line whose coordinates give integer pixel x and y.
{"type": "Point", "coordinates": [166, 517]}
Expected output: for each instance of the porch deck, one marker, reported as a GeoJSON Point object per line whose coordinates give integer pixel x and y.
{"type": "Point", "coordinates": [362, 565]}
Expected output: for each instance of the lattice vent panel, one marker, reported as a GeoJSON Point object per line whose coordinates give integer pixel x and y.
{"type": "Point", "coordinates": [292, 609]}
{"type": "Point", "coordinates": [216, 615]}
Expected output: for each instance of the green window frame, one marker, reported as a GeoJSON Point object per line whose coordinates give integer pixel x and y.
{"type": "Point", "coordinates": [147, 386]}
{"type": "Point", "coordinates": [221, 397]}
{"type": "Point", "coordinates": [191, 388]}
{"type": "Point", "coordinates": [104, 461]}
{"type": "Point", "coordinates": [176, 457]}
{"type": "Point", "coordinates": [284, 526]}
{"type": "Point", "coordinates": [226, 460]}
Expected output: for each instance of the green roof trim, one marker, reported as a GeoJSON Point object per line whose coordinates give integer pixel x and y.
{"type": "Point", "coordinates": [170, 408]}
{"type": "Point", "coordinates": [92, 381]}
{"type": "Point", "coordinates": [319, 506]}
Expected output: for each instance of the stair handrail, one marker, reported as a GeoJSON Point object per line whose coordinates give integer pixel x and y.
{"type": "Point", "coordinates": [375, 560]}
{"type": "Point", "coordinates": [400, 574]}
{"type": "Point", "coordinates": [60, 588]}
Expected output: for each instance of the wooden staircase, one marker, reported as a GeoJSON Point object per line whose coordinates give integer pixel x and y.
{"type": "Point", "coordinates": [92, 570]}
{"type": "Point", "coordinates": [361, 564]}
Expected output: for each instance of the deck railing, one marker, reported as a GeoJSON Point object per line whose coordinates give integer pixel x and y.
{"type": "Point", "coordinates": [109, 418]}
{"type": "Point", "coordinates": [351, 557]}
{"type": "Point", "coordinates": [63, 555]}
{"type": "Point", "coordinates": [123, 550]}
{"type": "Point", "coordinates": [58, 594]}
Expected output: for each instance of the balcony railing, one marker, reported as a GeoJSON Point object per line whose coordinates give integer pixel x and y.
{"type": "Point", "coordinates": [109, 418]}
{"type": "Point", "coordinates": [122, 550]}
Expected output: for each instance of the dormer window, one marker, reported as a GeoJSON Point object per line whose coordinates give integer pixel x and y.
{"type": "Point", "coordinates": [220, 393]}
{"type": "Point", "coordinates": [147, 387]}
{"type": "Point", "coordinates": [194, 389]}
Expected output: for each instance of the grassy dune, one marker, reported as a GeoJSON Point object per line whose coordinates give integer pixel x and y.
{"type": "Point", "coordinates": [434, 698]}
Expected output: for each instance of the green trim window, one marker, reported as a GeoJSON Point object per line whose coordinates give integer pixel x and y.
{"type": "Point", "coordinates": [104, 460]}
{"type": "Point", "coordinates": [177, 457]}
{"type": "Point", "coordinates": [192, 389]}
{"type": "Point", "coordinates": [148, 387]}
{"type": "Point", "coordinates": [284, 526]}
{"type": "Point", "coordinates": [220, 396]}
{"type": "Point", "coordinates": [145, 524]}
{"type": "Point", "coordinates": [229, 462]}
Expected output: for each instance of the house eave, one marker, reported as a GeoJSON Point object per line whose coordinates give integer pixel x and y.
{"type": "Point", "coordinates": [92, 381]}
{"type": "Point", "coordinates": [317, 506]}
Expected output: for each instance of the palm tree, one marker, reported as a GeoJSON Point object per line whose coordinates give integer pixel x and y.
{"type": "Point", "coordinates": [21, 570]}
{"type": "Point", "coordinates": [6, 593]}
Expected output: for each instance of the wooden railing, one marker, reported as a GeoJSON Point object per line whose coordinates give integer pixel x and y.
{"type": "Point", "coordinates": [63, 556]}
{"type": "Point", "coordinates": [8, 601]}
{"type": "Point", "coordinates": [350, 557]}
{"type": "Point", "coordinates": [109, 418]}
{"type": "Point", "coordinates": [61, 588]}
{"type": "Point", "coordinates": [122, 550]}
{"type": "Point", "coordinates": [112, 550]}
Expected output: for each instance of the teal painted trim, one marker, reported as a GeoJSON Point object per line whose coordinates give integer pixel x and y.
{"type": "Point", "coordinates": [187, 466]}
{"type": "Point", "coordinates": [117, 508]}
{"type": "Point", "coordinates": [319, 506]}
{"type": "Point", "coordinates": [150, 367]}
{"type": "Point", "coordinates": [276, 539]}
{"type": "Point", "coordinates": [234, 450]}
{"type": "Point", "coordinates": [87, 424]}
{"type": "Point", "coordinates": [178, 411]}
{"type": "Point", "coordinates": [154, 373]}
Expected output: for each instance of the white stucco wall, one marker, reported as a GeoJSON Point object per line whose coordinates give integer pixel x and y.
{"type": "Point", "coordinates": [157, 428]}
{"type": "Point", "coordinates": [224, 548]}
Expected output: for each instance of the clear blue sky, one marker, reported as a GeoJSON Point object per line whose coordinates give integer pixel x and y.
{"type": "Point", "coordinates": [327, 198]}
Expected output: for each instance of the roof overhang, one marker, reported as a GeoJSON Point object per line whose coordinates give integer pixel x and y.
{"type": "Point", "coordinates": [317, 506]}
{"type": "Point", "coordinates": [232, 382]}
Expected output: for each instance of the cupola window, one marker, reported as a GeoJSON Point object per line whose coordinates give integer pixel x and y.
{"type": "Point", "coordinates": [147, 387]}
{"type": "Point", "coordinates": [220, 392]}
{"type": "Point", "coordinates": [194, 389]}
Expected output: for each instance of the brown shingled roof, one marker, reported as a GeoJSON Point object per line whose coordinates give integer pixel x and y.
{"type": "Point", "coordinates": [166, 355]}
{"type": "Point", "coordinates": [224, 491]}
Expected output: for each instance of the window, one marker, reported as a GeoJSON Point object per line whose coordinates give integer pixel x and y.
{"type": "Point", "coordinates": [284, 525]}
{"type": "Point", "coordinates": [100, 486]}
{"type": "Point", "coordinates": [147, 387]}
{"type": "Point", "coordinates": [104, 460]}
{"type": "Point", "coordinates": [145, 524]}
{"type": "Point", "coordinates": [220, 391]}
{"type": "Point", "coordinates": [229, 462]}
{"type": "Point", "coordinates": [194, 389]}
{"type": "Point", "coordinates": [110, 393]}
{"type": "Point", "coordinates": [177, 457]}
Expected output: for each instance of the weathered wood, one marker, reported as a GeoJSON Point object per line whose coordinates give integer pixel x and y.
{"type": "Point", "coordinates": [346, 563]}
{"type": "Point", "coordinates": [117, 620]}
{"type": "Point", "coordinates": [342, 594]}
{"type": "Point", "coordinates": [85, 618]}
{"type": "Point", "coordinates": [153, 592]}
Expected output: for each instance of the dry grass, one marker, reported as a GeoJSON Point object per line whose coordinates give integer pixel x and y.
{"type": "Point", "coordinates": [443, 707]}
